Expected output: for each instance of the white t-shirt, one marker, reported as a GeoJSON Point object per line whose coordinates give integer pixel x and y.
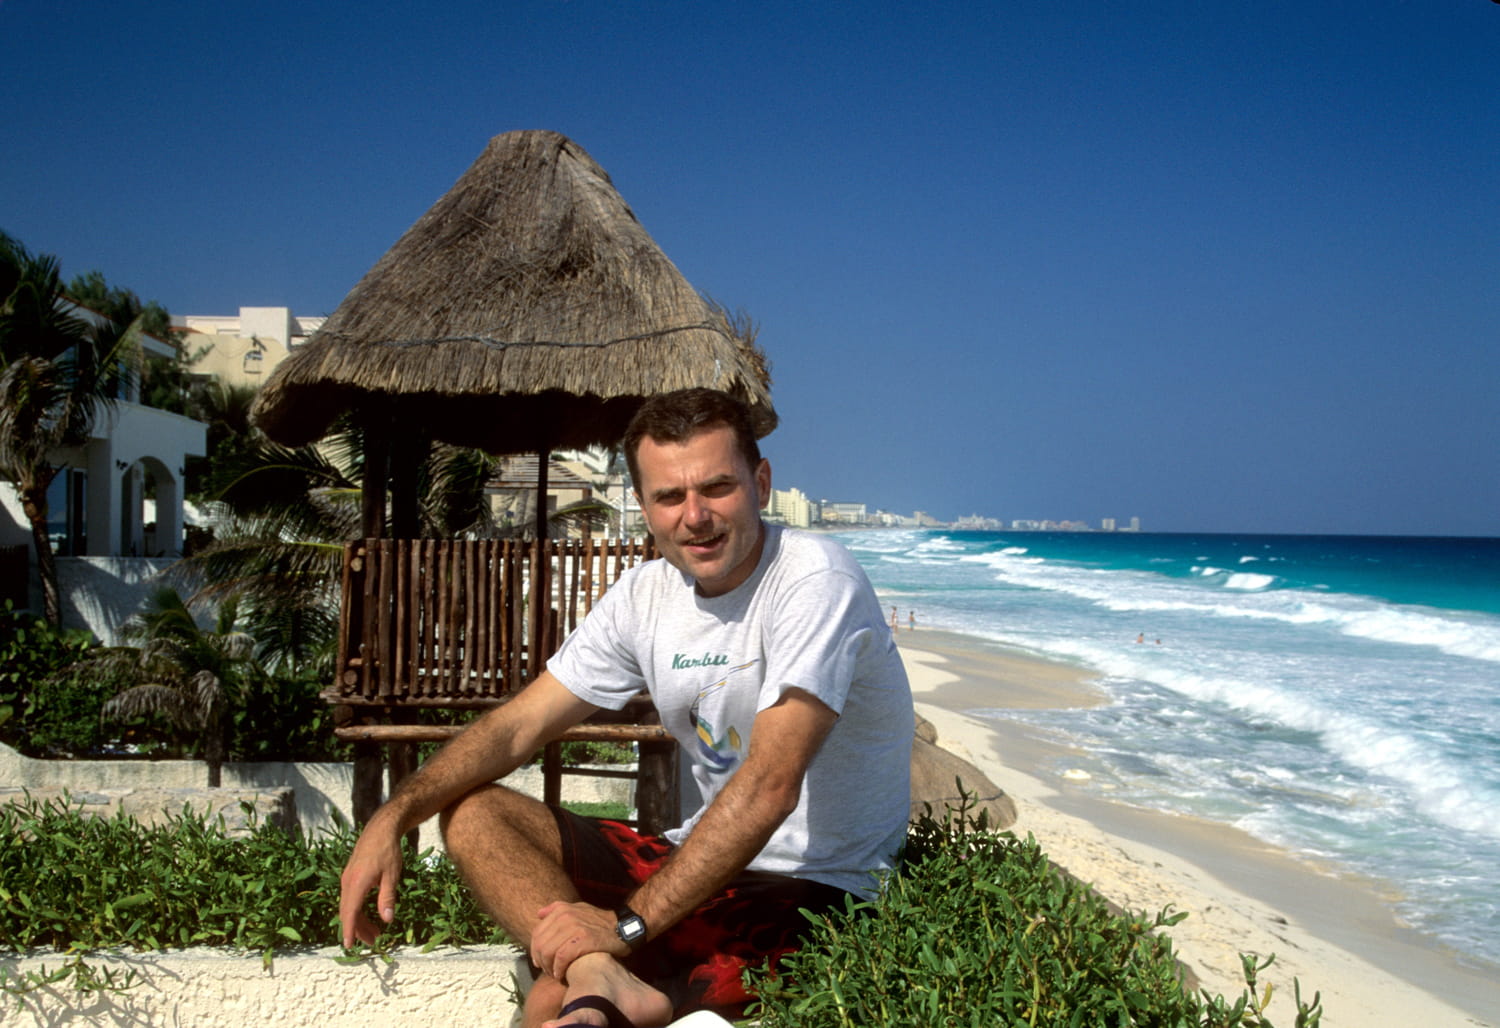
{"type": "Point", "coordinates": [806, 618]}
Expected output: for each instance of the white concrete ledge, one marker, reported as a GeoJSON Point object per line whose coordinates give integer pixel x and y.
{"type": "Point", "coordinates": [204, 988]}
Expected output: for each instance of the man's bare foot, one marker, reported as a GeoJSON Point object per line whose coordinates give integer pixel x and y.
{"type": "Point", "coordinates": [599, 974]}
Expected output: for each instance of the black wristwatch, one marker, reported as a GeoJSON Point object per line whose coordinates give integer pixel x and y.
{"type": "Point", "coordinates": [630, 927]}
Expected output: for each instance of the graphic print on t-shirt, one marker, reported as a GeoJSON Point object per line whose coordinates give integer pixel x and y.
{"type": "Point", "coordinates": [719, 746]}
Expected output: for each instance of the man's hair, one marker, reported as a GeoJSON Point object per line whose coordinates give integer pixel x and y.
{"type": "Point", "coordinates": [677, 417]}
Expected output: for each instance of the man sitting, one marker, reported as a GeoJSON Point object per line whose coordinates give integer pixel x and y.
{"type": "Point", "coordinates": [768, 657]}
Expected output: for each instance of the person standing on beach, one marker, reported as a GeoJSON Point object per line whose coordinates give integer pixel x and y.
{"type": "Point", "coordinates": [766, 653]}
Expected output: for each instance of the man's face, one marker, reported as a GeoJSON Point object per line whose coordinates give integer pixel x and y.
{"type": "Point", "coordinates": [703, 504]}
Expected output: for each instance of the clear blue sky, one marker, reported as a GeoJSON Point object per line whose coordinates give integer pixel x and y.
{"type": "Point", "coordinates": [1228, 267]}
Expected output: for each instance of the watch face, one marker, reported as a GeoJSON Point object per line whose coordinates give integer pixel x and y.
{"type": "Point", "coordinates": [631, 928]}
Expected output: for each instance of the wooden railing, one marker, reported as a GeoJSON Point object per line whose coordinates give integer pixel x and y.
{"type": "Point", "coordinates": [452, 622]}
{"type": "Point", "coordinates": [461, 624]}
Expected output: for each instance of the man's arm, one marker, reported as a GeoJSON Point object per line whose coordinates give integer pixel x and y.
{"type": "Point", "coordinates": [738, 823]}
{"type": "Point", "coordinates": [490, 748]}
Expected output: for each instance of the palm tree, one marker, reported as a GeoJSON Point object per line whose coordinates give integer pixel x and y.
{"type": "Point", "coordinates": [183, 673]}
{"type": "Point", "coordinates": [225, 409]}
{"type": "Point", "coordinates": [281, 518]}
{"type": "Point", "coordinates": [279, 528]}
{"type": "Point", "coordinates": [58, 376]}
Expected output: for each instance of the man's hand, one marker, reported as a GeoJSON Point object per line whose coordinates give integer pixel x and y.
{"type": "Point", "coordinates": [375, 865]}
{"type": "Point", "coordinates": [566, 931]}
{"type": "Point", "coordinates": [487, 750]}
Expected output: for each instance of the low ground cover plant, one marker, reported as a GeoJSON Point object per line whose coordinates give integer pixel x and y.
{"type": "Point", "coordinates": [978, 928]}
{"type": "Point", "coordinates": [76, 883]}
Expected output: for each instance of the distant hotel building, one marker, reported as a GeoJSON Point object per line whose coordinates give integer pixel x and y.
{"type": "Point", "coordinates": [831, 513]}
{"type": "Point", "coordinates": [243, 349]}
{"type": "Point", "coordinates": [790, 507]}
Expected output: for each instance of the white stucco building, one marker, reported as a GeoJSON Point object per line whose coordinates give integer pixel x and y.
{"type": "Point", "coordinates": [117, 500]}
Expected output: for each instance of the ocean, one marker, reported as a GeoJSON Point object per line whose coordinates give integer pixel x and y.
{"type": "Point", "coordinates": [1337, 696]}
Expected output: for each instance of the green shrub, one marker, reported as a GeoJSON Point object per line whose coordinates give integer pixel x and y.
{"type": "Point", "coordinates": [83, 883]}
{"type": "Point", "coordinates": [976, 930]}
{"type": "Point", "coordinates": [43, 712]}
{"type": "Point", "coordinates": [979, 929]}
{"type": "Point", "coordinates": [48, 710]}
{"type": "Point", "coordinates": [282, 717]}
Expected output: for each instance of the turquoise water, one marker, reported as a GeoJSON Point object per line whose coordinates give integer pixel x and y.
{"type": "Point", "coordinates": [1337, 696]}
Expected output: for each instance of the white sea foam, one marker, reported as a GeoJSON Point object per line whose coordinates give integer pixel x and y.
{"type": "Point", "coordinates": [1126, 591]}
{"type": "Point", "coordinates": [1431, 779]}
{"type": "Point", "coordinates": [1248, 582]}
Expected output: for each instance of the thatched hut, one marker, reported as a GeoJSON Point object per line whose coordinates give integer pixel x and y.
{"type": "Point", "coordinates": [527, 310]}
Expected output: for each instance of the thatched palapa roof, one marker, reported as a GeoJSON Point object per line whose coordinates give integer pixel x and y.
{"type": "Point", "coordinates": [527, 310]}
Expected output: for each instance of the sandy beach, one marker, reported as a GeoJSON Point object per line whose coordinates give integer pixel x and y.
{"type": "Point", "coordinates": [1333, 933]}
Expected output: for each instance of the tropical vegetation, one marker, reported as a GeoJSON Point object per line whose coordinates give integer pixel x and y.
{"type": "Point", "coordinates": [60, 694]}
{"type": "Point", "coordinates": [40, 713]}
{"type": "Point", "coordinates": [180, 672]}
{"type": "Point", "coordinates": [977, 929]}
{"type": "Point", "coordinates": [980, 929]}
{"type": "Point", "coordinates": [60, 373]}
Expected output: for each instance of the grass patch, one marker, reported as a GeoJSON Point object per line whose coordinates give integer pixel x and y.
{"type": "Point", "coordinates": [605, 811]}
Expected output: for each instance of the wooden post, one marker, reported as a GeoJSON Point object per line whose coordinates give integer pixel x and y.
{"type": "Point", "coordinates": [541, 494]}
{"type": "Point", "coordinates": [657, 805]}
{"type": "Point", "coordinates": [656, 788]}
{"type": "Point", "coordinates": [365, 795]}
{"type": "Point", "coordinates": [408, 451]}
{"type": "Point", "coordinates": [552, 774]}
{"type": "Point", "coordinates": [403, 761]}
{"type": "Point", "coordinates": [367, 768]}
{"type": "Point", "coordinates": [368, 760]}
{"type": "Point", "coordinates": [376, 472]}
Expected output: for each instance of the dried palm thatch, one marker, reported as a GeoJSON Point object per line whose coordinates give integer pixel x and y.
{"type": "Point", "coordinates": [527, 310]}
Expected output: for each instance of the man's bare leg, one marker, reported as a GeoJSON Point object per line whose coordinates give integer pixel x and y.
{"type": "Point", "coordinates": [506, 847]}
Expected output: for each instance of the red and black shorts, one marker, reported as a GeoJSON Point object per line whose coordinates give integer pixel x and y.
{"type": "Point", "coordinates": [698, 961]}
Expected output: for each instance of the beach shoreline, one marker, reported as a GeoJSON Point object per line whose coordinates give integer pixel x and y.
{"type": "Point", "coordinates": [1333, 932]}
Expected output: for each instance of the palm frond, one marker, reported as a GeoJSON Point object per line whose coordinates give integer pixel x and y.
{"type": "Point", "coordinates": [179, 707]}
{"type": "Point", "coordinates": [208, 695]}
{"type": "Point", "coordinates": [237, 646]}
